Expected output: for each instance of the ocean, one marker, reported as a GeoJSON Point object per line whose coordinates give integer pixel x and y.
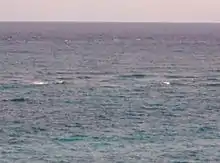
{"type": "Point", "coordinates": [109, 92]}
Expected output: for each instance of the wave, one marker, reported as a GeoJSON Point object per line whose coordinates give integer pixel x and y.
{"type": "Point", "coordinates": [133, 76]}
{"type": "Point", "coordinates": [137, 136]}
{"type": "Point", "coordinates": [179, 77]}
{"type": "Point", "coordinates": [210, 84]}
{"type": "Point", "coordinates": [47, 82]}
{"type": "Point", "coordinates": [166, 83]}
{"type": "Point", "coordinates": [7, 86]}
{"type": "Point", "coordinates": [59, 82]}
{"type": "Point", "coordinates": [21, 99]}
{"type": "Point", "coordinates": [40, 83]}
{"type": "Point", "coordinates": [24, 83]}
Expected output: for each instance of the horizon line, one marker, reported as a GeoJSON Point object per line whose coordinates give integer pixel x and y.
{"type": "Point", "coordinates": [133, 22]}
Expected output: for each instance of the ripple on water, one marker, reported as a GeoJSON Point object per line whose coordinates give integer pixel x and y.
{"type": "Point", "coordinates": [132, 76]}
{"type": "Point", "coordinates": [86, 101]}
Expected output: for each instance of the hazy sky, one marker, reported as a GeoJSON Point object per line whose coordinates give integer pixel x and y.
{"type": "Point", "coordinates": [110, 10]}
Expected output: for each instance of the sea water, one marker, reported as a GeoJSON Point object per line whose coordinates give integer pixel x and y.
{"type": "Point", "coordinates": [109, 92]}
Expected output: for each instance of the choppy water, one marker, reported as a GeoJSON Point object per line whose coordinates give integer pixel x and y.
{"type": "Point", "coordinates": [109, 93]}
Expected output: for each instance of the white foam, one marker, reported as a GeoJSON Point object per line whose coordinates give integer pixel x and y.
{"type": "Point", "coordinates": [59, 82]}
{"type": "Point", "coordinates": [39, 82]}
{"type": "Point", "coordinates": [45, 82]}
{"type": "Point", "coordinates": [166, 82]}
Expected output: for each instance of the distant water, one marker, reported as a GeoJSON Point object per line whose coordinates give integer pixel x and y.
{"type": "Point", "coordinates": [117, 93]}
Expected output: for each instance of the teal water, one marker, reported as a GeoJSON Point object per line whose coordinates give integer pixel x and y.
{"type": "Point", "coordinates": [109, 93]}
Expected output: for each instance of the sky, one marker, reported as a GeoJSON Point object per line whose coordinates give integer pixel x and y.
{"type": "Point", "coordinates": [111, 10]}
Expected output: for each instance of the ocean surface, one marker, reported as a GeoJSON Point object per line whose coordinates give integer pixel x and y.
{"type": "Point", "coordinates": [109, 93]}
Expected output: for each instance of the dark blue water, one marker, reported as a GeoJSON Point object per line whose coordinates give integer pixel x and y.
{"type": "Point", "coordinates": [109, 93]}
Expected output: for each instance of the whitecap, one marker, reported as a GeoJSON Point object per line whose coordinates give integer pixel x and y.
{"type": "Point", "coordinates": [39, 83]}
{"type": "Point", "coordinates": [166, 82]}
{"type": "Point", "coordinates": [59, 82]}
